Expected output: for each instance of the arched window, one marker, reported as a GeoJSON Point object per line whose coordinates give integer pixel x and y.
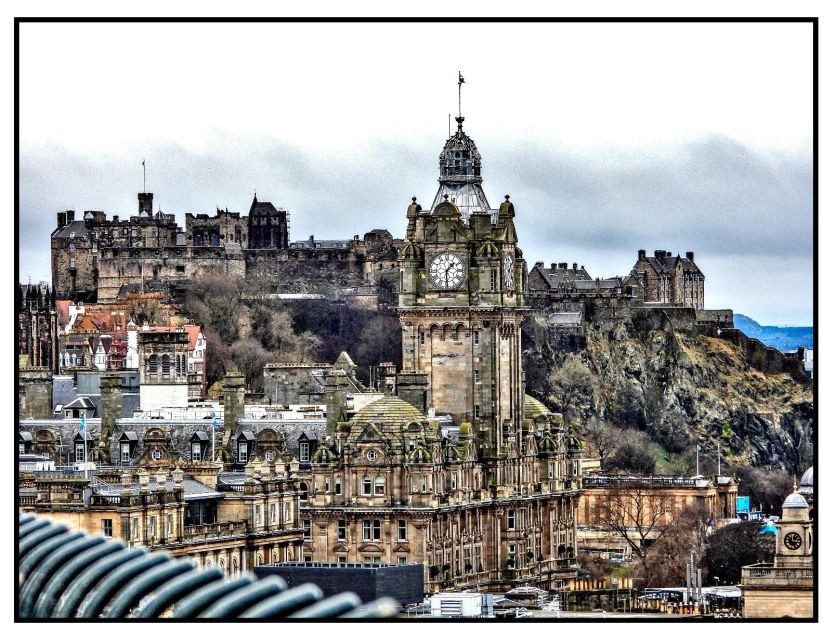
{"type": "Point", "coordinates": [153, 363]}
{"type": "Point", "coordinates": [304, 492]}
{"type": "Point", "coordinates": [337, 485]}
{"type": "Point", "coordinates": [166, 365]}
{"type": "Point", "coordinates": [366, 486]}
{"type": "Point", "coordinates": [378, 486]}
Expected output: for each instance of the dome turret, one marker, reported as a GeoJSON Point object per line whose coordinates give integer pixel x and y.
{"type": "Point", "coordinates": [459, 174]}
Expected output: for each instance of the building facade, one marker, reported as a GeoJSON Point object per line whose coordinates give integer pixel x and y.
{"type": "Point", "coordinates": [493, 502]}
{"type": "Point", "coordinates": [670, 279]}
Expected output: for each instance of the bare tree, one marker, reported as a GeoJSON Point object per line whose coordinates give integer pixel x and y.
{"type": "Point", "coordinates": [667, 562]}
{"type": "Point", "coordinates": [573, 389]}
{"type": "Point", "coordinates": [602, 438]}
{"type": "Point", "coordinates": [636, 512]}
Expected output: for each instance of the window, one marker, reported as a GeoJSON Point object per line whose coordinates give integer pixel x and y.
{"type": "Point", "coordinates": [258, 515]}
{"type": "Point", "coordinates": [371, 559]}
{"type": "Point", "coordinates": [269, 456]}
{"type": "Point", "coordinates": [307, 529]}
{"type": "Point", "coordinates": [402, 559]}
{"type": "Point", "coordinates": [79, 453]}
{"type": "Point", "coordinates": [134, 529]}
{"type": "Point", "coordinates": [511, 519]}
{"type": "Point", "coordinates": [512, 554]}
{"type": "Point", "coordinates": [424, 484]}
{"type": "Point", "coordinates": [125, 453]}
{"type": "Point", "coordinates": [476, 411]}
{"type": "Point", "coordinates": [422, 338]}
{"type": "Point", "coordinates": [21, 449]}
{"type": "Point", "coordinates": [337, 485]}
{"type": "Point", "coordinates": [166, 365]}
{"type": "Point", "coordinates": [168, 525]}
{"type": "Point", "coordinates": [151, 527]}
{"type": "Point", "coordinates": [372, 529]}
{"type": "Point", "coordinates": [326, 484]}
{"type": "Point", "coordinates": [493, 279]}
{"type": "Point", "coordinates": [307, 558]}
{"type": "Point", "coordinates": [153, 363]}
{"type": "Point", "coordinates": [366, 486]}
{"type": "Point", "coordinates": [196, 452]}
{"type": "Point", "coordinates": [304, 452]}
{"type": "Point", "coordinates": [378, 486]}
{"type": "Point", "coordinates": [157, 454]}
{"type": "Point", "coordinates": [107, 528]}
{"type": "Point", "coordinates": [342, 529]}
{"type": "Point", "coordinates": [304, 492]}
{"type": "Point", "coordinates": [272, 513]}
{"type": "Point", "coordinates": [242, 451]}
{"type": "Point", "coordinates": [372, 455]}
{"type": "Point", "coordinates": [342, 559]}
{"type": "Point", "coordinates": [476, 376]}
{"type": "Point", "coordinates": [402, 529]}
{"type": "Point", "coordinates": [453, 482]}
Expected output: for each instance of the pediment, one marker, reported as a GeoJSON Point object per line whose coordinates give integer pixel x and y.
{"type": "Point", "coordinates": [370, 547]}
{"type": "Point", "coordinates": [371, 433]}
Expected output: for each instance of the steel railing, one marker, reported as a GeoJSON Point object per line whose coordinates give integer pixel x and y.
{"type": "Point", "coordinates": [69, 574]}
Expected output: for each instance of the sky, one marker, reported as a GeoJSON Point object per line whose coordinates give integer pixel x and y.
{"type": "Point", "coordinates": [609, 138]}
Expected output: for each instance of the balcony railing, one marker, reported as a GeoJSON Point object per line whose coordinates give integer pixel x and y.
{"type": "Point", "coordinates": [214, 530]}
{"type": "Point", "coordinates": [767, 575]}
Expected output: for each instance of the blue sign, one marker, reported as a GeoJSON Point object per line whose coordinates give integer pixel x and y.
{"type": "Point", "coordinates": [743, 504]}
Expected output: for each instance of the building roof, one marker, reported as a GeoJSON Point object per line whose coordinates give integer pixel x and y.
{"type": "Point", "coordinates": [81, 402]}
{"type": "Point", "coordinates": [129, 435]}
{"type": "Point", "coordinates": [795, 501]}
{"type": "Point", "coordinates": [388, 410]}
{"type": "Point", "coordinates": [533, 407]}
{"type": "Point", "coordinates": [565, 318]}
{"type": "Point", "coordinates": [193, 331]}
{"type": "Point", "coordinates": [663, 262]}
{"type": "Point", "coordinates": [807, 481]}
{"type": "Point", "coordinates": [75, 229]}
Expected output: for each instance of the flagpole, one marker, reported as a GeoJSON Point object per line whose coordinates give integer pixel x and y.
{"type": "Point", "coordinates": [459, 86]}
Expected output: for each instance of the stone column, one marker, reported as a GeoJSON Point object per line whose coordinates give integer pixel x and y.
{"type": "Point", "coordinates": [111, 407]}
{"type": "Point", "coordinates": [234, 396]}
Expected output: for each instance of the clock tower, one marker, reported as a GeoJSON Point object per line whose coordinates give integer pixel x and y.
{"type": "Point", "coordinates": [794, 534]}
{"type": "Point", "coordinates": [461, 300]}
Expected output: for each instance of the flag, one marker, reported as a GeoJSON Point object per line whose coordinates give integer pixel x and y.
{"type": "Point", "coordinates": [213, 420]}
{"type": "Point", "coordinates": [461, 79]}
{"type": "Point", "coordinates": [142, 162]}
{"type": "Point", "coordinates": [84, 422]}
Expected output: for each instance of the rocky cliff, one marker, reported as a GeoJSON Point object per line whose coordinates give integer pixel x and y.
{"type": "Point", "coordinates": [680, 387]}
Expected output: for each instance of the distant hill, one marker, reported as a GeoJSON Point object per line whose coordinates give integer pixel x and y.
{"type": "Point", "coordinates": [782, 338]}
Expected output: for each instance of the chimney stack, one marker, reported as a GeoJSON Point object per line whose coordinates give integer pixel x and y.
{"type": "Point", "coordinates": [689, 255]}
{"type": "Point", "coordinates": [574, 266]}
{"type": "Point", "coordinates": [642, 254]}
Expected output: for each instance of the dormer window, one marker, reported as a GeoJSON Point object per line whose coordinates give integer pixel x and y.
{"type": "Point", "coordinates": [304, 452]}
{"type": "Point", "coordinates": [242, 451]}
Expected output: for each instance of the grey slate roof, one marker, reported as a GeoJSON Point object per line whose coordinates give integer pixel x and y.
{"type": "Point", "coordinates": [76, 227]}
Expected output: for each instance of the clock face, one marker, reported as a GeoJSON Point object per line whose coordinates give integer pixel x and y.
{"type": "Point", "coordinates": [793, 540]}
{"type": "Point", "coordinates": [447, 271]}
{"type": "Point", "coordinates": [508, 271]}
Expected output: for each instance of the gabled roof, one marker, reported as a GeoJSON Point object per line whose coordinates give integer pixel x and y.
{"type": "Point", "coordinates": [129, 436]}
{"type": "Point", "coordinates": [193, 331]}
{"type": "Point", "coordinates": [81, 402]}
{"type": "Point", "coordinates": [76, 227]}
{"type": "Point", "coordinates": [200, 435]}
{"type": "Point", "coordinates": [246, 435]}
{"type": "Point", "coordinates": [24, 436]}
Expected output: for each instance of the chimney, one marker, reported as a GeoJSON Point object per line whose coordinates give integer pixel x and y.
{"type": "Point", "coordinates": [111, 406]}
{"type": "Point", "coordinates": [574, 266]}
{"type": "Point", "coordinates": [146, 203]}
{"type": "Point", "coordinates": [412, 387]}
{"type": "Point", "coordinates": [659, 253]}
{"type": "Point", "coordinates": [689, 255]}
{"type": "Point", "coordinates": [539, 263]}
{"type": "Point", "coordinates": [554, 266]}
{"type": "Point", "coordinates": [642, 254]}
{"type": "Point", "coordinates": [115, 218]}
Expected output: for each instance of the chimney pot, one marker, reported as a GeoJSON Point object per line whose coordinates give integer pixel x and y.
{"type": "Point", "coordinates": [689, 255]}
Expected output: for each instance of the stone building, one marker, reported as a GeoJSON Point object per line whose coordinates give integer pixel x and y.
{"type": "Point", "coordinates": [77, 244]}
{"type": "Point", "coordinates": [492, 502]}
{"type": "Point", "coordinates": [216, 231]}
{"type": "Point", "coordinates": [163, 368]}
{"type": "Point", "coordinates": [37, 326]}
{"type": "Point", "coordinates": [268, 226]}
{"type": "Point", "coordinates": [645, 506]}
{"type": "Point", "coordinates": [190, 509]}
{"type": "Point", "coordinates": [786, 587]}
{"type": "Point", "coordinates": [670, 279]}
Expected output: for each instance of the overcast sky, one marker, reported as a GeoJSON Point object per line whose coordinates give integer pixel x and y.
{"type": "Point", "coordinates": [609, 137]}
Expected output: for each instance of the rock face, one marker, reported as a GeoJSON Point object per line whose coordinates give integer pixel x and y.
{"type": "Point", "coordinates": [680, 387]}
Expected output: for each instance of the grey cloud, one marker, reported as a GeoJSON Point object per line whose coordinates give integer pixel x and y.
{"type": "Point", "coordinates": [735, 207]}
